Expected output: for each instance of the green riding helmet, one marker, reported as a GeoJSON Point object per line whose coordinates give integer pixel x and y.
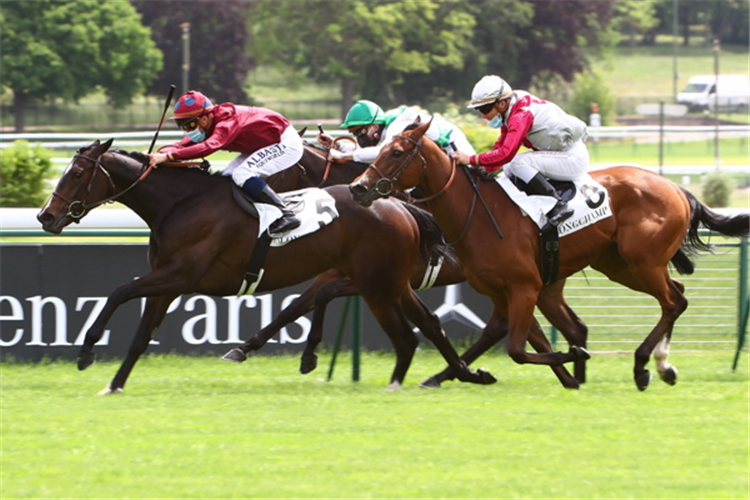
{"type": "Point", "coordinates": [364, 113]}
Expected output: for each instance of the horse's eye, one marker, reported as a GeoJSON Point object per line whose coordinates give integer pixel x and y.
{"type": "Point", "coordinates": [78, 174]}
{"type": "Point", "coordinates": [397, 153]}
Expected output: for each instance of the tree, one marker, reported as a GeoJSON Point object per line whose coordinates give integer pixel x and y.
{"type": "Point", "coordinates": [557, 36]}
{"type": "Point", "coordinates": [55, 48]}
{"type": "Point", "coordinates": [366, 46]}
{"type": "Point", "coordinates": [219, 35]}
{"type": "Point", "coordinates": [635, 17]}
{"type": "Point", "coordinates": [427, 51]}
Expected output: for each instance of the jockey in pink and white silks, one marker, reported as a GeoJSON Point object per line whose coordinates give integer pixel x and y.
{"type": "Point", "coordinates": [556, 139]}
{"type": "Point", "coordinates": [266, 142]}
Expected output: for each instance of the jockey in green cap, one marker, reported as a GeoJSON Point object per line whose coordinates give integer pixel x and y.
{"type": "Point", "coordinates": [373, 128]}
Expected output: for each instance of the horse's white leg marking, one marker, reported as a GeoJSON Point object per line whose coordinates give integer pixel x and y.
{"type": "Point", "coordinates": [393, 387]}
{"type": "Point", "coordinates": [661, 353]}
{"type": "Point", "coordinates": [107, 391]}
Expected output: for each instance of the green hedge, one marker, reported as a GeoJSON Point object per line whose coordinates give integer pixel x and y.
{"type": "Point", "coordinates": [23, 170]}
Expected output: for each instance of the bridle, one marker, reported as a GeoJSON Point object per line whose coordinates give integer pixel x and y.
{"type": "Point", "coordinates": [79, 208]}
{"type": "Point", "coordinates": [384, 186]}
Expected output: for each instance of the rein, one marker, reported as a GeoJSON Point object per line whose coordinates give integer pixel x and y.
{"type": "Point", "coordinates": [329, 162]}
{"type": "Point", "coordinates": [78, 208]}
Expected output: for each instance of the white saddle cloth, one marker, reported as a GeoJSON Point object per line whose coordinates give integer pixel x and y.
{"type": "Point", "coordinates": [314, 207]}
{"type": "Point", "coordinates": [590, 204]}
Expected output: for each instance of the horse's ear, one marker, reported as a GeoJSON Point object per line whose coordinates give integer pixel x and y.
{"type": "Point", "coordinates": [302, 132]}
{"type": "Point", "coordinates": [99, 149]}
{"type": "Point", "coordinates": [421, 130]}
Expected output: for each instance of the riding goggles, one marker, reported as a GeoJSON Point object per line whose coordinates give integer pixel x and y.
{"type": "Point", "coordinates": [360, 132]}
{"type": "Point", "coordinates": [191, 125]}
{"type": "Point", "coordinates": [486, 108]}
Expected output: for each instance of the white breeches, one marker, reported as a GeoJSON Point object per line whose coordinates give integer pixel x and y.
{"type": "Point", "coordinates": [556, 165]}
{"type": "Point", "coordinates": [267, 161]}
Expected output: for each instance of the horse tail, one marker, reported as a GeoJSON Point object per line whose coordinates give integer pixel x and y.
{"type": "Point", "coordinates": [431, 239]}
{"type": "Point", "coordinates": [735, 226]}
{"type": "Point", "coordinates": [682, 263]}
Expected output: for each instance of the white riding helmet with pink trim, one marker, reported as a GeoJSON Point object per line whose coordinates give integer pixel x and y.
{"type": "Point", "coordinates": [489, 89]}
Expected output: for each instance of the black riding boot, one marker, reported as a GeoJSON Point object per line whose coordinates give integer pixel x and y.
{"type": "Point", "coordinates": [561, 211]}
{"type": "Point", "coordinates": [287, 221]}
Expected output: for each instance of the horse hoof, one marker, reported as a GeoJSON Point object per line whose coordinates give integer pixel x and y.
{"type": "Point", "coordinates": [486, 377]}
{"type": "Point", "coordinates": [393, 387]}
{"type": "Point", "coordinates": [108, 390]}
{"type": "Point", "coordinates": [308, 364]}
{"type": "Point", "coordinates": [669, 375]}
{"type": "Point", "coordinates": [642, 380]}
{"type": "Point", "coordinates": [236, 355]}
{"type": "Point", "coordinates": [430, 383]}
{"type": "Point", "coordinates": [572, 384]}
{"type": "Point", "coordinates": [581, 353]}
{"type": "Point", "coordinates": [86, 360]}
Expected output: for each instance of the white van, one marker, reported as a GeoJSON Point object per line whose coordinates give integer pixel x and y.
{"type": "Point", "coordinates": [701, 92]}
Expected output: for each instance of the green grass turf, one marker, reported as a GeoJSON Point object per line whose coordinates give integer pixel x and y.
{"type": "Point", "coordinates": [204, 428]}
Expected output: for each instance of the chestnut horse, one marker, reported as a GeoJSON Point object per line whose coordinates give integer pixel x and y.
{"type": "Point", "coordinates": [313, 170]}
{"type": "Point", "coordinates": [201, 242]}
{"type": "Point", "coordinates": [654, 222]}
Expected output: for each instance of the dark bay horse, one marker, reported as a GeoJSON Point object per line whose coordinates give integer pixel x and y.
{"type": "Point", "coordinates": [654, 222]}
{"type": "Point", "coordinates": [313, 170]}
{"type": "Point", "coordinates": [201, 242]}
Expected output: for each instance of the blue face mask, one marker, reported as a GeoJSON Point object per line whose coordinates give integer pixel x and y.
{"type": "Point", "coordinates": [496, 122]}
{"type": "Point", "coordinates": [196, 135]}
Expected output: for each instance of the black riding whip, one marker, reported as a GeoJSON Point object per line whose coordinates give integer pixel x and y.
{"type": "Point", "coordinates": [164, 113]}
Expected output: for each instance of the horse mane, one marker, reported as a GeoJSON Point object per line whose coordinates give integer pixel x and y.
{"type": "Point", "coordinates": [431, 238]}
{"type": "Point", "coordinates": [316, 146]}
{"type": "Point", "coordinates": [143, 159]}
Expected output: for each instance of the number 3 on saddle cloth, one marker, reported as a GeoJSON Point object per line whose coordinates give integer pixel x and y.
{"type": "Point", "coordinates": [314, 207]}
{"type": "Point", "coordinates": [588, 199]}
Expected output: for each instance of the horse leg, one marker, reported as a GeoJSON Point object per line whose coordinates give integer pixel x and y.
{"type": "Point", "coordinates": [495, 330]}
{"type": "Point", "coordinates": [153, 314]}
{"type": "Point", "coordinates": [156, 283]}
{"type": "Point", "coordinates": [667, 372]}
{"type": "Point", "coordinates": [522, 304]}
{"type": "Point", "coordinates": [299, 306]}
{"type": "Point", "coordinates": [654, 280]}
{"type": "Point", "coordinates": [392, 320]}
{"type": "Point", "coordinates": [424, 319]}
{"type": "Point", "coordinates": [341, 288]}
{"type": "Point", "coordinates": [552, 304]}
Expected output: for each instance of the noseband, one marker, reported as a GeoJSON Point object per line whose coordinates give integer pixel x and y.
{"type": "Point", "coordinates": [78, 208]}
{"type": "Point", "coordinates": [385, 185]}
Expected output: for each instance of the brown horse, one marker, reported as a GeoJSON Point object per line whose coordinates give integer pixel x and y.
{"type": "Point", "coordinates": [654, 222]}
{"type": "Point", "coordinates": [333, 284]}
{"type": "Point", "coordinates": [313, 170]}
{"type": "Point", "coordinates": [201, 242]}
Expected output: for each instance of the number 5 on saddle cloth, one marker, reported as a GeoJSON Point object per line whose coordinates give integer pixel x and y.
{"type": "Point", "coordinates": [314, 207]}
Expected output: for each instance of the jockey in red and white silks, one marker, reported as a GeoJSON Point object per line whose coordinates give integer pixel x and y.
{"type": "Point", "coordinates": [266, 142]}
{"type": "Point", "coordinates": [557, 140]}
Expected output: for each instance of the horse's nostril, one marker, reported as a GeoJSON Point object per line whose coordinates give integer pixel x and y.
{"type": "Point", "coordinates": [44, 217]}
